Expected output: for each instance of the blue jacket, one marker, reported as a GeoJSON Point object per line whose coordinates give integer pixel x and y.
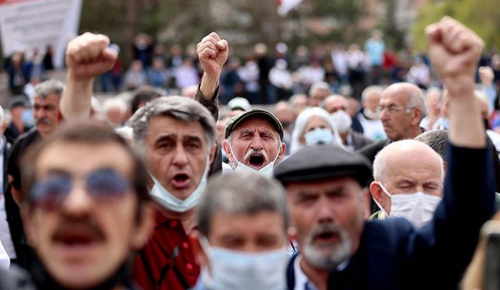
{"type": "Point", "coordinates": [394, 255]}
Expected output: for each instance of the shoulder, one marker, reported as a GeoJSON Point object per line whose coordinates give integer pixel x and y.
{"type": "Point", "coordinates": [392, 231]}
{"type": "Point", "coordinates": [15, 279]}
{"type": "Point", "coordinates": [371, 150]}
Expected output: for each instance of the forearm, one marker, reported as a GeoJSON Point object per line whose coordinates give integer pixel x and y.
{"type": "Point", "coordinates": [467, 129]}
{"type": "Point", "coordinates": [76, 101]}
{"type": "Point", "coordinates": [209, 85]}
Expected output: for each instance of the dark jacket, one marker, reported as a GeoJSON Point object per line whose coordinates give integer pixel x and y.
{"type": "Point", "coordinates": [213, 107]}
{"type": "Point", "coordinates": [359, 141]}
{"type": "Point", "coordinates": [394, 255]}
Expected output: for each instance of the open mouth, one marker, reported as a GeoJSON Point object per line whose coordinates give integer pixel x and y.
{"type": "Point", "coordinates": [180, 180]}
{"type": "Point", "coordinates": [326, 237]}
{"type": "Point", "coordinates": [256, 160]}
{"type": "Point", "coordinates": [76, 239]}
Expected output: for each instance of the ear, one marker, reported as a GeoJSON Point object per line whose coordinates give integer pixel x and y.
{"type": "Point", "coordinates": [302, 139]}
{"type": "Point", "coordinates": [212, 154]}
{"type": "Point", "coordinates": [368, 203]}
{"type": "Point", "coordinates": [292, 234]}
{"type": "Point", "coordinates": [145, 226]}
{"type": "Point", "coordinates": [282, 152]}
{"type": "Point", "coordinates": [445, 165]}
{"type": "Point", "coordinates": [417, 116]}
{"type": "Point", "coordinates": [29, 225]}
{"type": "Point", "coordinates": [199, 253]}
{"type": "Point", "coordinates": [376, 192]}
{"type": "Point", "coordinates": [227, 148]}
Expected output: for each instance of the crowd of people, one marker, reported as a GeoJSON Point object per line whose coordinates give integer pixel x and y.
{"type": "Point", "coordinates": [169, 192]}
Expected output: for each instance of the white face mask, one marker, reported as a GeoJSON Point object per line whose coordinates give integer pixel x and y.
{"type": "Point", "coordinates": [418, 207]}
{"type": "Point", "coordinates": [230, 270]}
{"type": "Point", "coordinates": [342, 120]}
{"type": "Point", "coordinates": [266, 171]}
{"type": "Point", "coordinates": [170, 202]}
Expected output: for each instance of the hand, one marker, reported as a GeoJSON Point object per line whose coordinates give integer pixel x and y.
{"type": "Point", "coordinates": [486, 75]}
{"type": "Point", "coordinates": [88, 56]}
{"type": "Point", "coordinates": [213, 53]}
{"type": "Point", "coordinates": [454, 49]}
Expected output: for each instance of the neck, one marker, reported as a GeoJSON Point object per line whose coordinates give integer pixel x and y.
{"type": "Point", "coordinates": [412, 133]}
{"type": "Point", "coordinates": [318, 277]}
{"type": "Point", "coordinates": [188, 218]}
{"type": "Point", "coordinates": [19, 124]}
{"type": "Point", "coordinates": [343, 136]}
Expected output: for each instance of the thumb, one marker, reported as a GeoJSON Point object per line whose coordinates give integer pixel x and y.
{"type": "Point", "coordinates": [110, 55]}
{"type": "Point", "coordinates": [434, 34]}
{"type": "Point", "coordinates": [223, 45]}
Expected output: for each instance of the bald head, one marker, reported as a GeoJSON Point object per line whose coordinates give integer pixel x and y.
{"type": "Point", "coordinates": [403, 108]}
{"type": "Point", "coordinates": [407, 159]}
{"type": "Point", "coordinates": [335, 103]}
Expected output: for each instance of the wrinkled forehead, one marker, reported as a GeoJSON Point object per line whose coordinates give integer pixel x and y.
{"type": "Point", "coordinates": [253, 124]}
{"type": "Point", "coordinates": [396, 97]}
{"type": "Point", "coordinates": [52, 99]}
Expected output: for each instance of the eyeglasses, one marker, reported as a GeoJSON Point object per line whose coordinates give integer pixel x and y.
{"type": "Point", "coordinates": [394, 109]}
{"type": "Point", "coordinates": [103, 185]}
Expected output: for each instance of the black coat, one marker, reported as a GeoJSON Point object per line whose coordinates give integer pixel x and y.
{"type": "Point", "coordinates": [394, 255]}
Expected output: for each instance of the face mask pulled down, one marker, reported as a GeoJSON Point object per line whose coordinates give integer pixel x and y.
{"type": "Point", "coordinates": [231, 269]}
{"type": "Point", "coordinates": [266, 171]}
{"type": "Point", "coordinates": [418, 207]}
{"type": "Point", "coordinates": [170, 202]}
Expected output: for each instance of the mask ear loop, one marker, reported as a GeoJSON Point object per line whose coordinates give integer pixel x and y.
{"type": "Point", "coordinates": [378, 204]}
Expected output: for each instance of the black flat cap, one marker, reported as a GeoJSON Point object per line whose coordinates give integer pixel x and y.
{"type": "Point", "coordinates": [323, 162]}
{"type": "Point", "coordinates": [255, 113]}
{"type": "Point", "coordinates": [19, 101]}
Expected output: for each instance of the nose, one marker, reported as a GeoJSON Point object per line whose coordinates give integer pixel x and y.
{"type": "Point", "coordinates": [180, 158]}
{"type": "Point", "coordinates": [325, 212]}
{"type": "Point", "coordinates": [257, 143]}
{"type": "Point", "coordinates": [78, 203]}
{"type": "Point", "coordinates": [384, 116]}
{"type": "Point", "coordinates": [41, 113]}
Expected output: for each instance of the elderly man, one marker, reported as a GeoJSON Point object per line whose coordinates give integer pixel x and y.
{"type": "Point", "coordinates": [79, 183]}
{"type": "Point", "coordinates": [325, 194]}
{"type": "Point", "coordinates": [177, 138]}
{"type": "Point", "coordinates": [242, 240]}
{"type": "Point", "coordinates": [369, 117]}
{"type": "Point", "coordinates": [318, 93]}
{"type": "Point", "coordinates": [401, 111]}
{"type": "Point", "coordinates": [408, 181]}
{"type": "Point", "coordinates": [115, 111]}
{"type": "Point", "coordinates": [337, 105]}
{"type": "Point", "coordinates": [254, 142]}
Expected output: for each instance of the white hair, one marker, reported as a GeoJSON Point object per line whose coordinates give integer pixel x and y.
{"type": "Point", "coordinates": [417, 100]}
{"type": "Point", "coordinates": [319, 86]}
{"type": "Point", "coordinates": [371, 89]}
{"type": "Point", "coordinates": [115, 103]}
{"type": "Point", "coordinates": [301, 123]}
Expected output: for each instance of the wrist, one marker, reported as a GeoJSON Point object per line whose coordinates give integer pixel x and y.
{"type": "Point", "coordinates": [73, 79]}
{"type": "Point", "coordinates": [460, 86]}
{"type": "Point", "coordinates": [209, 84]}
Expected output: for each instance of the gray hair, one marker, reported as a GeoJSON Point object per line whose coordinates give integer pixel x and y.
{"type": "Point", "coordinates": [437, 140]}
{"type": "Point", "coordinates": [49, 87]}
{"type": "Point", "coordinates": [319, 86]}
{"type": "Point", "coordinates": [226, 194]}
{"type": "Point", "coordinates": [416, 100]}
{"type": "Point", "coordinates": [371, 89]}
{"type": "Point", "coordinates": [180, 108]}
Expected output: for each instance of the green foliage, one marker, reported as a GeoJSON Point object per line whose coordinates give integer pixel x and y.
{"type": "Point", "coordinates": [482, 16]}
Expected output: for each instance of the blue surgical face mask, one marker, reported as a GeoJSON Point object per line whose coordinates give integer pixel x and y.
{"type": "Point", "coordinates": [266, 171]}
{"type": "Point", "coordinates": [319, 136]}
{"type": "Point", "coordinates": [231, 269]}
{"type": "Point", "coordinates": [170, 202]}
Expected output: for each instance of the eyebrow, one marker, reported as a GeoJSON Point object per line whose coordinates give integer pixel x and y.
{"type": "Point", "coordinates": [192, 138]}
{"type": "Point", "coordinates": [166, 138]}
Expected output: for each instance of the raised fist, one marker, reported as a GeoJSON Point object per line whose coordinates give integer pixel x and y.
{"type": "Point", "coordinates": [88, 56]}
{"type": "Point", "coordinates": [454, 49]}
{"type": "Point", "coordinates": [213, 53]}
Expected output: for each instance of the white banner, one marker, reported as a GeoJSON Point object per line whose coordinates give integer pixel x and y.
{"type": "Point", "coordinates": [29, 24]}
{"type": "Point", "coordinates": [287, 5]}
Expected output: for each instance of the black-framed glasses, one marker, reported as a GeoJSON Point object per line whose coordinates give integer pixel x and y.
{"type": "Point", "coordinates": [104, 185]}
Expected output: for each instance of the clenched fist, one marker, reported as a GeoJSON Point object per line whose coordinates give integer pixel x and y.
{"type": "Point", "coordinates": [454, 49]}
{"type": "Point", "coordinates": [88, 56]}
{"type": "Point", "coordinates": [213, 53]}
